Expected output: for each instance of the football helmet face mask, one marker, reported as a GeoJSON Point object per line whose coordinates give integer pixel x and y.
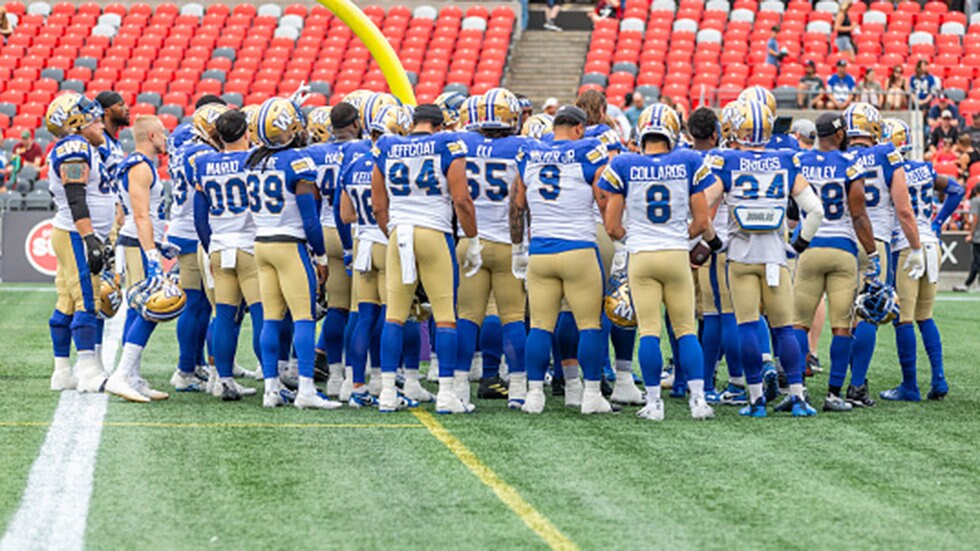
{"type": "Point", "coordinates": [204, 123]}
{"type": "Point", "coordinates": [451, 103]}
{"type": "Point", "coordinates": [751, 124]}
{"type": "Point", "coordinates": [897, 132]}
{"type": "Point", "coordinates": [279, 122]}
{"type": "Point", "coordinates": [761, 95]}
{"type": "Point", "coordinates": [618, 303]}
{"type": "Point", "coordinates": [659, 120]}
{"type": "Point", "coordinates": [877, 302]}
{"type": "Point", "coordinates": [728, 114]}
{"type": "Point", "coordinates": [862, 120]}
{"type": "Point", "coordinates": [498, 108]}
{"type": "Point", "coordinates": [69, 113]}
{"type": "Point", "coordinates": [391, 119]}
{"type": "Point", "coordinates": [318, 125]}
{"type": "Point", "coordinates": [537, 126]}
{"type": "Point", "coordinates": [157, 299]}
{"type": "Point", "coordinates": [110, 293]}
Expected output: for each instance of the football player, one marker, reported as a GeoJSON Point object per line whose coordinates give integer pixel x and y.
{"type": "Point", "coordinates": [450, 103]}
{"type": "Point", "coordinates": [282, 200]}
{"type": "Point", "coordinates": [916, 296]}
{"type": "Point", "coordinates": [418, 182]}
{"type": "Point", "coordinates": [765, 97]}
{"type": "Point", "coordinates": [140, 237]}
{"type": "Point", "coordinates": [491, 170]}
{"type": "Point", "coordinates": [557, 190]}
{"type": "Point", "coordinates": [756, 183]}
{"type": "Point", "coordinates": [226, 232]}
{"type": "Point", "coordinates": [192, 325]}
{"type": "Point", "coordinates": [887, 198]}
{"type": "Point", "coordinates": [829, 264]}
{"type": "Point", "coordinates": [85, 209]}
{"type": "Point", "coordinates": [662, 188]}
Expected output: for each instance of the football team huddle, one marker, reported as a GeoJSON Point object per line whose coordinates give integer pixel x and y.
{"type": "Point", "coordinates": [539, 240]}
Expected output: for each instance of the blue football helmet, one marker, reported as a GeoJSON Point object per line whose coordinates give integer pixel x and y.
{"type": "Point", "coordinates": [877, 302]}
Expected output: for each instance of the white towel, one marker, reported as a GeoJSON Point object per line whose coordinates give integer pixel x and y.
{"type": "Point", "coordinates": [406, 252]}
{"type": "Point", "coordinates": [932, 261]}
{"type": "Point", "coordinates": [772, 274]}
{"type": "Point", "coordinates": [362, 262]}
{"type": "Point", "coordinates": [120, 260]}
{"type": "Point", "coordinates": [229, 258]}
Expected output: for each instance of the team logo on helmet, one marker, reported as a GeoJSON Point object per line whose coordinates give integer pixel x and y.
{"type": "Point", "coordinates": [761, 95]}
{"type": "Point", "coordinates": [69, 113]}
{"type": "Point", "coordinates": [278, 123]}
{"type": "Point", "coordinates": [373, 104]}
{"type": "Point", "coordinates": [536, 126]}
{"type": "Point", "coordinates": [110, 294]}
{"type": "Point", "coordinates": [862, 120]}
{"type": "Point", "coordinates": [205, 119]}
{"type": "Point", "coordinates": [618, 303]}
{"type": "Point", "coordinates": [391, 119]}
{"type": "Point", "coordinates": [659, 120]}
{"type": "Point", "coordinates": [877, 302]}
{"type": "Point", "coordinates": [898, 133]}
{"type": "Point", "coordinates": [451, 104]}
{"type": "Point", "coordinates": [318, 125]}
{"type": "Point", "coordinates": [498, 108]}
{"type": "Point", "coordinates": [467, 113]}
{"type": "Point", "coordinates": [157, 299]}
{"type": "Point", "coordinates": [750, 123]}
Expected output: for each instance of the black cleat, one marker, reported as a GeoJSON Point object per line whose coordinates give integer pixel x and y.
{"type": "Point", "coordinates": [229, 393]}
{"type": "Point", "coordinates": [813, 365]}
{"type": "Point", "coordinates": [784, 406]}
{"type": "Point", "coordinates": [858, 396]}
{"type": "Point", "coordinates": [606, 388]}
{"type": "Point", "coordinates": [492, 388]}
{"type": "Point", "coordinates": [320, 369]}
{"type": "Point", "coordinates": [557, 386]}
{"type": "Point", "coordinates": [834, 402]}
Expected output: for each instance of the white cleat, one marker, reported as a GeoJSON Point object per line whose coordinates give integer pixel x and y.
{"type": "Point", "coordinates": [461, 386]}
{"type": "Point", "coordinates": [574, 389]}
{"type": "Point", "coordinates": [315, 401]}
{"type": "Point", "coordinates": [653, 411]}
{"type": "Point", "coordinates": [625, 391]}
{"type": "Point", "coordinates": [276, 398]}
{"type": "Point", "coordinates": [476, 367]}
{"type": "Point", "coordinates": [90, 380]}
{"type": "Point", "coordinates": [186, 382]}
{"type": "Point", "coordinates": [239, 371]}
{"type": "Point", "coordinates": [374, 383]}
{"type": "Point", "coordinates": [62, 379]}
{"type": "Point", "coordinates": [335, 384]}
{"type": "Point", "coordinates": [143, 387]}
{"type": "Point", "coordinates": [517, 391]}
{"type": "Point", "coordinates": [700, 408]}
{"type": "Point", "coordinates": [415, 391]}
{"type": "Point", "coordinates": [346, 389]}
{"type": "Point", "coordinates": [433, 374]}
{"type": "Point", "coordinates": [213, 386]}
{"type": "Point", "coordinates": [595, 403]}
{"type": "Point", "coordinates": [449, 403]}
{"type": "Point", "coordinates": [119, 385]}
{"type": "Point", "coordinates": [534, 401]}
{"type": "Point", "coordinates": [241, 389]}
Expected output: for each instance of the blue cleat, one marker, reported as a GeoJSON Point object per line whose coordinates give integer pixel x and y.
{"type": "Point", "coordinates": [361, 398]}
{"type": "Point", "coordinates": [770, 381]}
{"type": "Point", "coordinates": [756, 409]}
{"type": "Point", "coordinates": [734, 396]}
{"type": "Point", "coordinates": [678, 390]}
{"type": "Point", "coordinates": [939, 390]}
{"type": "Point", "coordinates": [901, 394]}
{"type": "Point", "coordinates": [800, 408]}
{"type": "Point", "coordinates": [712, 397]}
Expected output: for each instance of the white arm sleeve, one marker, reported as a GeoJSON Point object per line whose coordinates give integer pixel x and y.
{"type": "Point", "coordinates": [810, 203]}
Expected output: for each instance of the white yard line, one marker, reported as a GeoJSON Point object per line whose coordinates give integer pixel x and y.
{"type": "Point", "coordinates": [54, 508]}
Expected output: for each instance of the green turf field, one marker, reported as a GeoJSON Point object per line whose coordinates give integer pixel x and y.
{"type": "Point", "coordinates": [195, 473]}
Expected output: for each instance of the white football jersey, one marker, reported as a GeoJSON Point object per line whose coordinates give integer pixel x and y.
{"type": "Point", "coordinates": [272, 193]}
{"type": "Point", "coordinates": [223, 180]}
{"type": "Point", "coordinates": [157, 214]}
{"type": "Point", "coordinates": [491, 170]}
{"type": "Point", "coordinates": [881, 162]}
{"type": "Point", "coordinates": [182, 208]}
{"type": "Point", "coordinates": [100, 195]}
{"type": "Point", "coordinates": [830, 174]}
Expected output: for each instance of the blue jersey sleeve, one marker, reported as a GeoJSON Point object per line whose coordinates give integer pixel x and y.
{"type": "Point", "coordinates": [613, 178]}
{"type": "Point", "coordinates": [713, 168]}
{"type": "Point", "coordinates": [696, 182]}
{"type": "Point", "coordinates": [299, 168]}
{"type": "Point", "coordinates": [593, 155]}
{"type": "Point", "coordinates": [452, 148]}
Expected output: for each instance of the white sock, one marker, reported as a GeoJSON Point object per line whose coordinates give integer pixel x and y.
{"type": "Point", "coordinates": [388, 381]}
{"type": "Point", "coordinates": [62, 364]}
{"type": "Point", "coordinates": [376, 372]}
{"type": "Point", "coordinates": [696, 387]}
{"type": "Point", "coordinates": [226, 380]}
{"type": "Point", "coordinates": [306, 386]}
{"type": "Point", "coordinates": [336, 370]}
{"type": "Point", "coordinates": [412, 375]}
{"type": "Point", "coordinates": [755, 392]}
{"type": "Point", "coordinates": [461, 376]}
{"type": "Point", "coordinates": [98, 354]}
{"type": "Point", "coordinates": [271, 385]}
{"type": "Point", "coordinates": [592, 387]}
{"type": "Point", "coordinates": [535, 386]}
{"type": "Point", "coordinates": [737, 381]}
{"type": "Point", "coordinates": [796, 389]}
{"type": "Point", "coordinates": [624, 366]}
{"type": "Point", "coordinates": [447, 384]}
{"type": "Point", "coordinates": [348, 373]}
{"type": "Point", "coordinates": [653, 394]}
{"type": "Point", "coordinates": [518, 385]}
{"type": "Point", "coordinates": [129, 362]}
{"type": "Point", "coordinates": [570, 371]}
{"type": "Point", "coordinates": [283, 366]}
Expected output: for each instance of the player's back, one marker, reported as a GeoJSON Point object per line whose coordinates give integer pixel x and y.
{"type": "Point", "coordinates": [226, 184]}
{"type": "Point", "coordinates": [830, 174]}
{"type": "Point", "coordinates": [328, 158]}
{"type": "Point", "coordinates": [491, 169]}
{"type": "Point", "coordinates": [272, 184]}
{"type": "Point", "coordinates": [182, 207]}
{"type": "Point", "coordinates": [99, 193]}
{"type": "Point", "coordinates": [881, 162]}
{"type": "Point", "coordinates": [355, 179]}
{"type": "Point", "coordinates": [921, 180]}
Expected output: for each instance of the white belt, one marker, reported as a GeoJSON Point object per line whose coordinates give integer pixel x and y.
{"type": "Point", "coordinates": [932, 261]}
{"type": "Point", "coordinates": [406, 252]}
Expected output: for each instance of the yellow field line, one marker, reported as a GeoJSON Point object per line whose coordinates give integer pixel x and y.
{"type": "Point", "coordinates": [231, 425]}
{"type": "Point", "coordinates": [505, 492]}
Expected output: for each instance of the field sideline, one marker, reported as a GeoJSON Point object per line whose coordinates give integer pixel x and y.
{"type": "Point", "coordinates": [194, 473]}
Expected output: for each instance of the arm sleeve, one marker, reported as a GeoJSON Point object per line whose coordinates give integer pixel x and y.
{"type": "Point", "coordinates": [311, 223]}
{"type": "Point", "coordinates": [954, 196]}
{"type": "Point", "coordinates": [343, 228]}
{"type": "Point", "coordinates": [810, 203]}
{"type": "Point", "coordinates": [75, 193]}
{"type": "Point", "coordinates": [201, 224]}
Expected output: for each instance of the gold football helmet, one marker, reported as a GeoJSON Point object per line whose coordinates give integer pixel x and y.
{"type": "Point", "coordinates": [204, 121]}
{"type": "Point", "coordinates": [451, 103]}
{"type": "Point", "coordinates": [158, 299]}
{"type": "Point", "coordinates": [618, 303]}
{"type": "Point", "coordinates": [898, 133]}
{"type": "Point", "coordinates": [318, 125]}
{"type": "Point", "coordinates": [250, 116]}
{"type": "Point", "coordinates": [862, 120]}
{"type": "Point", "coordinates": [751, 123]}
{"type": "Point", "coordinates": [537, 126]}
{"type": "Point", "coordinates": [357, 97]}
{"type": "Point", "coordinates": [467, 113]}
{"type": "Point", "coordinates": [373, 104]}
{"type": "Point", "coordinates": [497, 108]}
{"type": "Point", "coordinates": [761, 95]}
{"type": "Point", "coordinates": [110, 293]}
{"type": "Point", "coordinates": [391, 119]}
{"type": "Point", "coordinates": [727, 116]}
{"type": "Point", "coordinates": [69, 113]}
{"type": "Point", "coordinates": [659, 120]}
{"type": "Point", "coordinates": [278, 123]}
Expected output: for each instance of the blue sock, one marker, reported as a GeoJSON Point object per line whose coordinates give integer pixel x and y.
{"type": "Point", "coordinates": [286, 338]}
{"type": "Point", "coordinates": [566, 330]}
{"type": "Point", "coordinates": [139, 332]}
{"type": "Point", "coordinates": [224, 347]}
{"type": "Point", "coordinates": [379, 325]}
{"type": "Point", "coordinates": [651, 360]}
{"type": "Point", "coordinates": [203, 331]}
{"type": "Point", "coordinates": [711, 348]}
{"type": "Point", "coordinates": [467, 333]}
{"type": "Point", "coordinates": [270, 348]}
{"type": "Point", "coordinates": [692, 357]}
{"type": "Point", "coordinates": [187, 337]}
{"type": "Point", "coordinates": [492, 345]}
{"type": "Point", "coordinates": [99, 330]}
{"type": "Point", "coordinates": [905, 344]}
{"type": "Point", "coordinates": [934, 348]}
{"type": "Point", "coordinates": [392, 341]}
{"type": "Point", "coordinates": [83, 331]}
{"type": "Point", "coordinates": [624, 341]}
{"type": "Point", "coordinates": [412, 346]}
{"type": "Point", "coordinates": [515, 339]}
{"type": "Point", "coordinates": [764, 337]}
{"type": "Point", "coordinates": [334, 325]}
{"type": "Point", "coordinates": [789, 354]}
{"type": "Point", "coordinates": [589, 354]}
{"type": "Point", "coordinates": [751, 356]}
{"type": "Point", "coordinates": [131, 316]}
{"type": "Point", "coordinates": [840, 355]}
{"type": "Point", "coordinates": [605, 328]}
{"type": "Point", "coordinates": [304, 341]}
{"type": "Point", "coordinates": [803, 341]}
{"type": "Point", "coordinates": [209, 339]}
{"type": "Point", "coordinates": [675, 352]}
{"type": "Point", "coordinates": [863, 347]}
{"type": "Point", "coordinates": [730, 341]}
{"type": "Point", "coordinates": [555, 358]}
{"type": "Point", "coordinates": [60, 327]}
{"type": "Point", "coordinates": [360, 342]}
{"type": "Point", "coordinates": [349, 334]}
{"type": "Point", "coordinates": [536, 354]}
{"type": "Point", "coordinates": [446, 340]}
{"type": "Point", "coordinates": [255, 310]}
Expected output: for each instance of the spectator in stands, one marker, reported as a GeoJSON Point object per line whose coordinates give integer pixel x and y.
{"type": "Point", "coordinates": [774, 54]}
{"type": "Point", "coordinates": [678, 108]}
{"type": "Point", "coordinates": [550, 106]}
{"type": "Point", "coordinates": [974, 130]}
{"type": "Point", "coordinates": [5, 172]}
{"type": "Point", "coordinates": [636, 107]}
{"type": "Point", "coordinates": [966, 155]}
{"type": "Point", "coordinates": [945, 155]}
{"type": "Point", "coordinates": [551, 15]}
{"type": "Point", "coordinates": [840, 86]}
{"type": "Point", "coordinates": [6, 28]}
{"type": "Point", "coordinates": [607, 9]}
{"type": "Point", "coordinates": [805, 132]}
{"type": "Point", "coordinates": [810, 91]}
{"type": "Point", "coordinates": [943, 104]}
{"type": "Point", "coordinates": [972, 236]}
{"type": "Point", "coordinates": [943, 132]}
{"type": "Point", "coordinates": [869, 91]}
{"type": "Point", "coordinates": [843, 27]}
{"type": "Point", "coordinates": [29, 151]}
{"type": "Point", "coordinates": [924, 86]}
{"type": "Point", "coordinates": [897, 88]}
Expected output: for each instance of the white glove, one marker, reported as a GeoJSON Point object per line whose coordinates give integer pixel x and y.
{"type": "Point", "coordinates": [169, 250]}
{"type": "Point", "coordinates": [915, 264]}
{"type": "Point", "coordinates": [301, 94]}
{"type": "Point", "coordinates": [519, 260]}
{"type": "Point", "coordinates": [473, 259]}
{"type": "Point", "coordinates": [619, 259]}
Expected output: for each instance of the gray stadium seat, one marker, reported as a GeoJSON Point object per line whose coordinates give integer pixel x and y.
{"type": "Point", "coordinates": [709, 35]}
{"type": "Point", "coordinates": [425, 12]}
{"type": "Point", "coordinates": [192, 8]}
{"type": "Point", "coordinates": [785, 97]}
{"type": "Point", "coordinates": [126, 133]}
{"type": "Point", "coordinates": [151, 98]}
{"type": "Point", "coordinates": [215, 74]}
{"type": "Point", "coordinates": [828, 7]}
{"type": "Point", "coordinates": [8, 109]}
{"type": "Point", "coordinates": [772, 5]}
{"type": "Point", "coordinates": [952, 27]}
{"type": "Point", "coordinates": [39, 8]}
{"type": "Point", "coordinates": [955, 94]}
{"type": "Point", "coordinates": [320, 87]}
{"type": "Point", "coordinates": [233, 98]}
{"type": "Point", "coordinates": [292, 33]}
{"type": "Point", "coordinates": [412, 77]}
{"type": "Point", "coordinates": [4, 199]}
{"type": "Point", "coordinates": [15, 201]}
{"type": "Point", "coordinates": [270, 9]}
{"type": "Point", "coordinates": [22, 186]}
{"type": "Point", "coordinates": [742, 14]}
{"type": "Point", "coordinates": [663, 5]}
{"type": "Point", "coordinates": [650, 93]}
{"type": "Point", "coordinates": [874, 16]}
{"type": "Point", "coordinates": [688, 25]}
{"type": "Point", "coordinates": [920, 37]}
{"type": "Point", "coordinates": [28, 173]}
{"type": "Point", "coordinates": [717, 5]}
{"type": "Point", "coordinates": [42, 185]}
{"type": "Point", "coordinates": [127, 145]}
{"type": "Point", "coordinates": [43, 134]}
{"type": "Point", "coordinates": [306, 109]}
{"type": "Point", "coordinates": [456, 87]}
{"type": "Point", "coordinates": [291, 20]}
{"type": "Point", "coordinates": [224, 52]}
{"type": "Point", "coordinates": [53, 73]}
{"type": "Point", "coordinates": [73, 85]}
{"type": "Point", "coordinates": [175, 111]}
{"type": "Point", "coordinates": [87, 62]}
{"type": "Point", "coordinates": [37, 200]}
{"type": "Point", "coordinates": [472, 22]}
{"type": "Point", "coordinates": [632, 24]}
{"type": "Point", "coordinates": [595, 78]}
{"type": "Point", "coordinates": [624, 67]}
{"type": "Point", "coordinates": [189, 119]}
{"type": "Point", "coordinates": [110, 19]}
{"type": "Point", "coordinates": [105, 30]}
